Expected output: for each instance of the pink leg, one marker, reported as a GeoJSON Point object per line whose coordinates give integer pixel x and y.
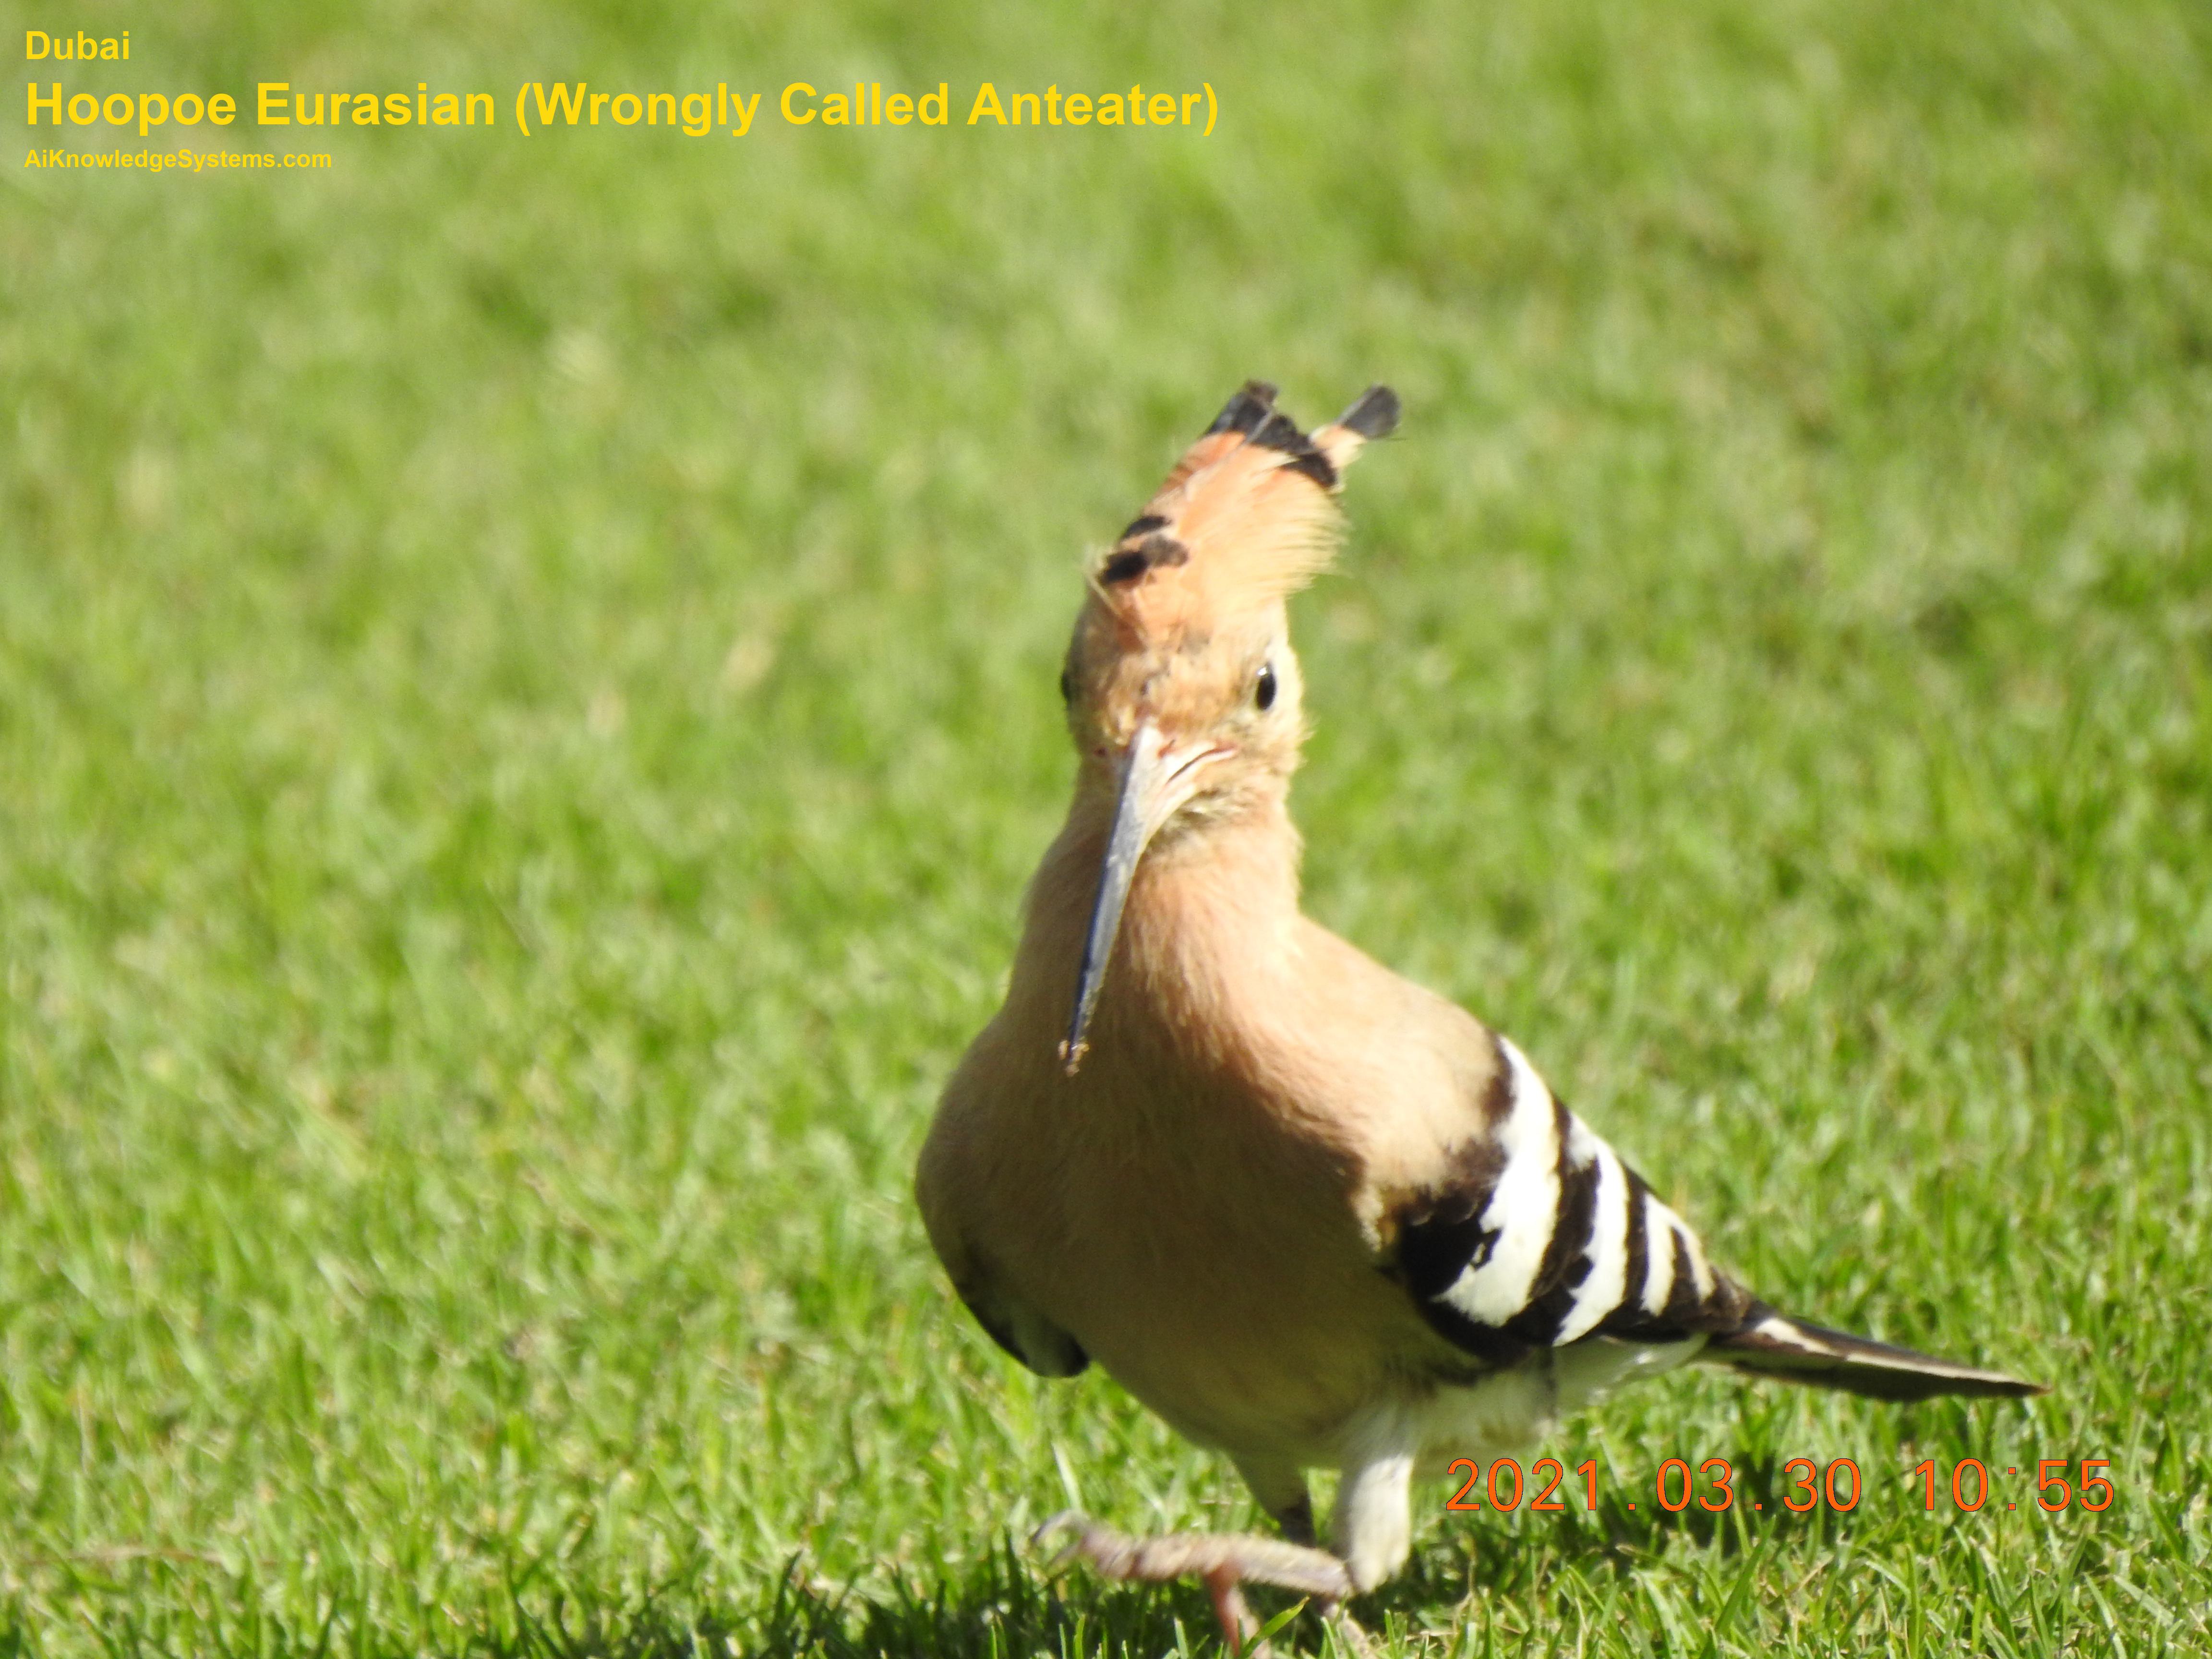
{"type": "Point", "coordinates": [1237, 1627]}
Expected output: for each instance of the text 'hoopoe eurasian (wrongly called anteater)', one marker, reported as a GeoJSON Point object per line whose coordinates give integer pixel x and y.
{"type": "Point", "coordinates": [1308, 1212]}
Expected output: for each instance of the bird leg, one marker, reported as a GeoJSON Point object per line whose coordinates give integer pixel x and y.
{"type": "Point", "coordinates": [1225, 1561]}
{"type": "Point", "coordinates": [1297, 1520]}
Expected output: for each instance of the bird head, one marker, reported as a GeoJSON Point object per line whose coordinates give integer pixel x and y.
{"type": "Point", "coordinates": [1183, 696]}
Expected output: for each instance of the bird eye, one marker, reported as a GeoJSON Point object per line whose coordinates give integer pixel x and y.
{"type": "Point", "coordinates": [1264, 693]}
{"type": "Point", "coordinates": [1066, 687]}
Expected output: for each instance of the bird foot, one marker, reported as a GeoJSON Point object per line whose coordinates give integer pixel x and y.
{"type": "Point", "coordinates": [1224, 1561]}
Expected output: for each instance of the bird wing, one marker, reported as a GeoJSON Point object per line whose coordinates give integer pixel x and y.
{"type": "Point", "coordinates": [950, 1186]}
{"type": "Point", "coordinates": [1534, 1234]}
{"type": "Point", "coordinates": [1022, 1331]}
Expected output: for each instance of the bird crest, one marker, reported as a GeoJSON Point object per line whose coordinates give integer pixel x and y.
{"type": "Point", "coordinates": [1247, 515]}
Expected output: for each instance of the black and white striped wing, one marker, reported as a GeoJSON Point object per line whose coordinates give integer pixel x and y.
{"type": "Point", "coordinates": [1541, 1236]}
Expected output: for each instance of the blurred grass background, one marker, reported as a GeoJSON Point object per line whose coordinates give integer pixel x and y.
{"type": "Point", "coordinates": [527, 706]}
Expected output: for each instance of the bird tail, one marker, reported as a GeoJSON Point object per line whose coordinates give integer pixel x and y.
{"type": "Point", "coordinates": [1774, 1344]}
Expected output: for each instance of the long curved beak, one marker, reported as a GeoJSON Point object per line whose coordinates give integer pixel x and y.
{"type": "Point", "coordinates": [1156, 778]}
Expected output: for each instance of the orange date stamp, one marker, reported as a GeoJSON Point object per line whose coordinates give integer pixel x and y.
{"type": "Point", "coordinates": [1806, 1485]}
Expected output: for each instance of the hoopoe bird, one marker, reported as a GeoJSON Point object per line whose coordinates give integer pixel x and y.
{"type": "Point", "coordinates": [1311, 1214]}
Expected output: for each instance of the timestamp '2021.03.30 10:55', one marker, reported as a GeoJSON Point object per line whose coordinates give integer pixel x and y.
{"type": "Point", "coordinates": [1806, 1485]}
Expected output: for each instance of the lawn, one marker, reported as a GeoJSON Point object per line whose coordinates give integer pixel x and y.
{"type": "Point", "coordinates": [526, 706]}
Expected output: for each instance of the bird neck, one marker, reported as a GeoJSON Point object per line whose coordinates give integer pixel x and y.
{"type": "Point", "coordinates": [1204, 948]}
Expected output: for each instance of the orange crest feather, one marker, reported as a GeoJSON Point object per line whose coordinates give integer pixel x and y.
{"type": "Point", "coordinates": [1247, 515]}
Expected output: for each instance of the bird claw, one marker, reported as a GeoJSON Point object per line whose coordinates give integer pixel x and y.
{"type": "Point", "coordinates": [1067, 1520]}
{"type": "Point", "coordinates": [1115, 1555]}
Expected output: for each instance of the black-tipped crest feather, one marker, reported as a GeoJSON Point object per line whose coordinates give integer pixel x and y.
{"type": "Point", "coordinates": [1279, 431]}
{"type": "Point", "coordinates": [1375, 415]}
{"type": "Point", "coordinates": [1254, 402]}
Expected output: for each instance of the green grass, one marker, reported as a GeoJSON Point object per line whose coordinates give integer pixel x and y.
{"type": "Point", "coordinates": [527, 706]}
